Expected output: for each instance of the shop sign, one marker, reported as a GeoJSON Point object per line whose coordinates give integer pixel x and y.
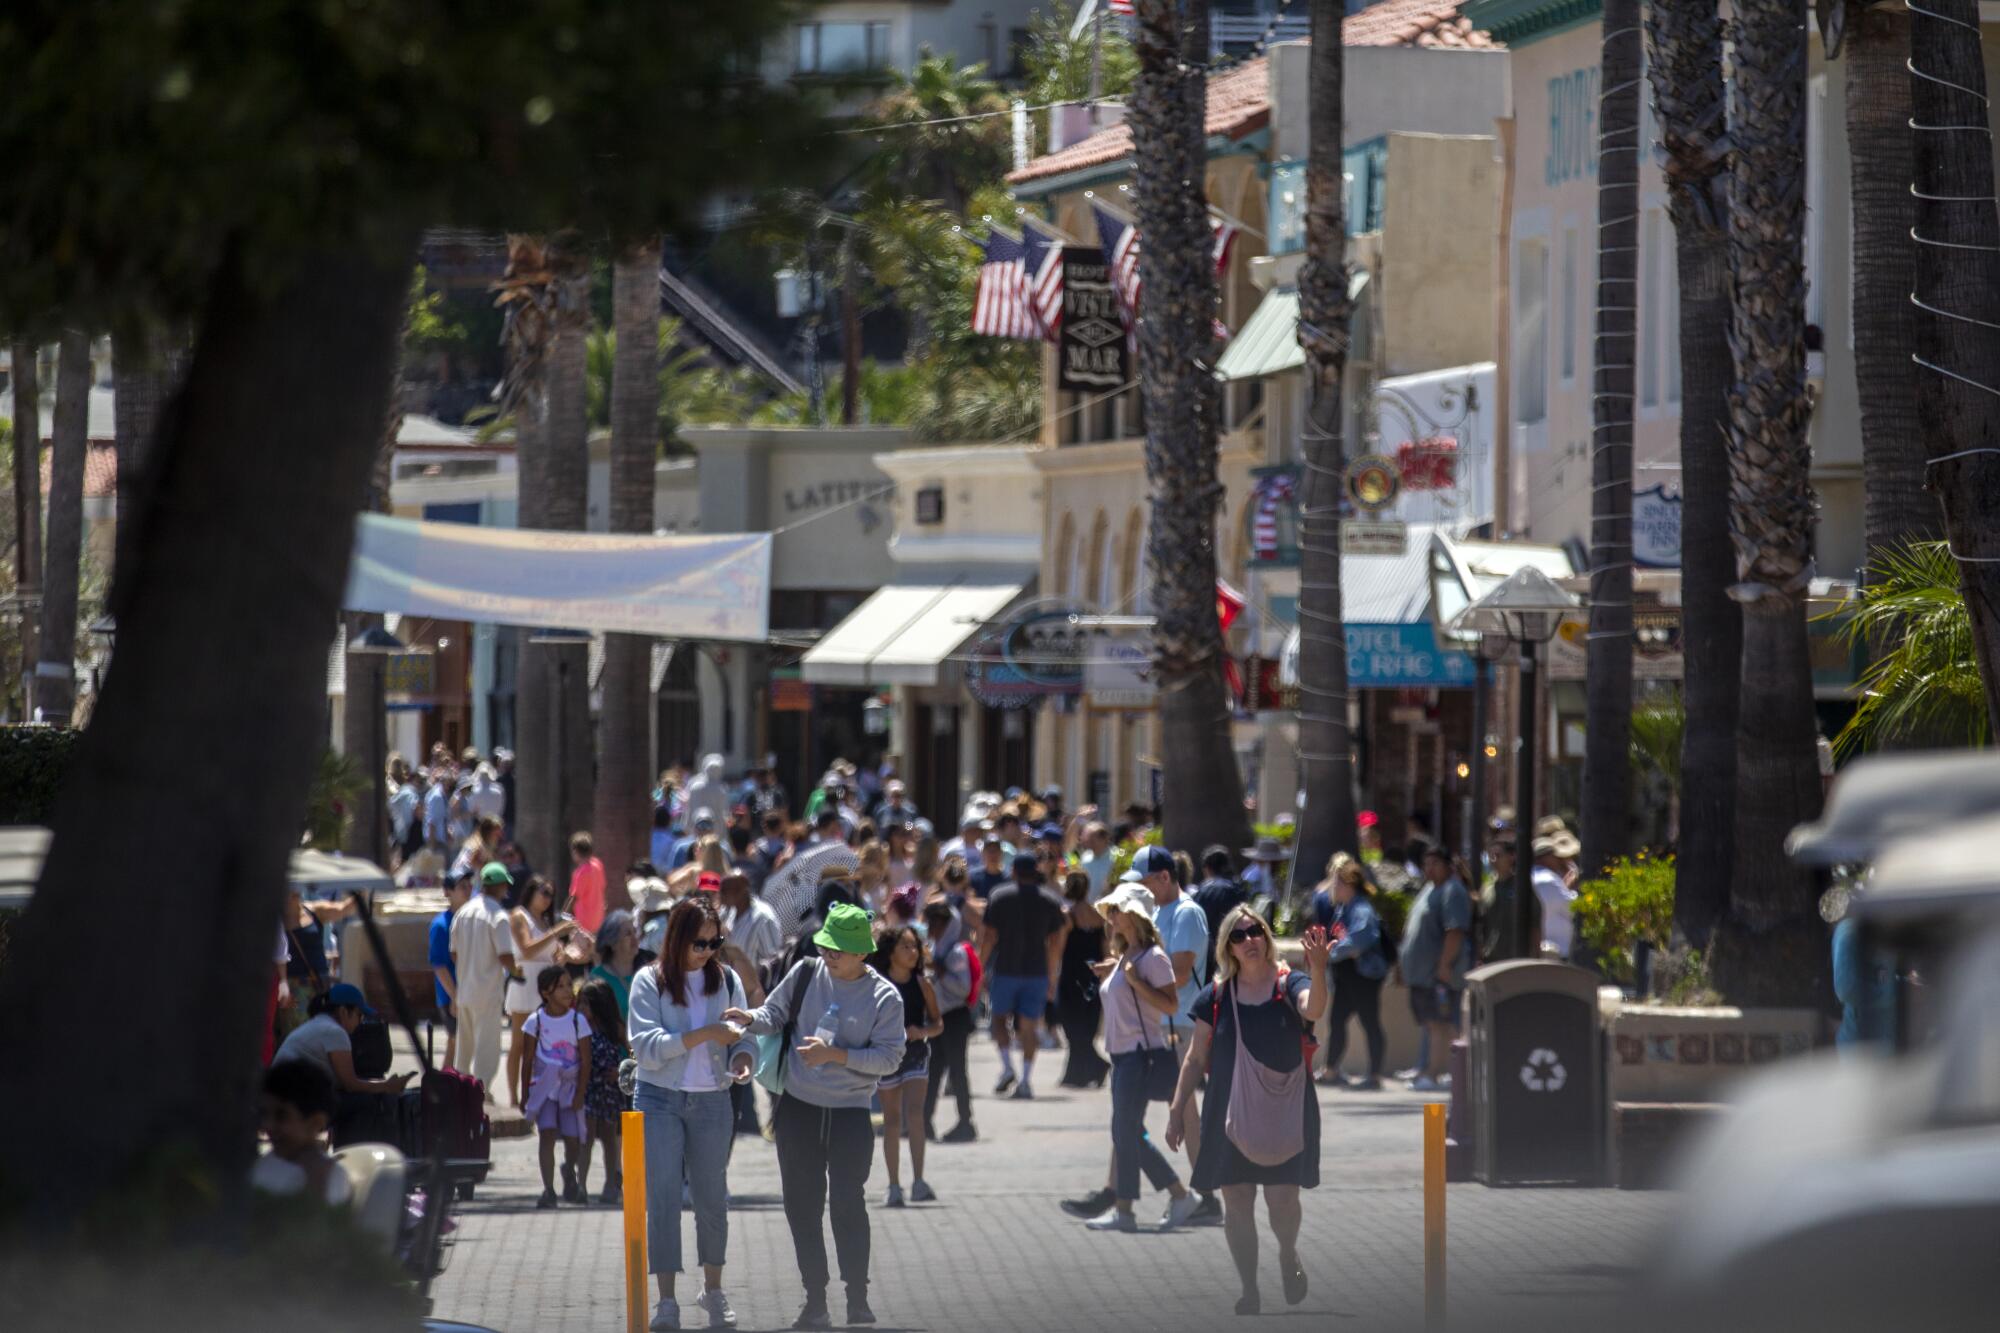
{"type": "Point", "coordinates": [1373, 536]}
{"type": "Point", "coordinates": [1373, 482]}
{"type": "Point", "coordinates": [1656, 646]}
{"type": "Point", "coordinates": [791, 696]}
{"type": "Point", "coordinates": [1036, 653]}
{"type": "Point", "coordinates": [410, 673]}
{"type": "Point", "coordinates": [1401, 657]}
{"type": "Point", "coordinates": [1091, 354]}
{"type": "Point", "coordinates": [1656, 528]}
{"type": "Point", "coordinates": [1117, 673]}
{"type": "Point", "coordinates": [1264, 690]}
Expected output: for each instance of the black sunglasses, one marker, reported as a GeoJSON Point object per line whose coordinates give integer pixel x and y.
{"type": "Point", "coordinates": [1242, 933]}
{"type": "Point", "coordinates": [708, 945]}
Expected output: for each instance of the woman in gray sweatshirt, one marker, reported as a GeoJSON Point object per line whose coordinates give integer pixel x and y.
{"type": "Point", "coordinates": [846, 1026]}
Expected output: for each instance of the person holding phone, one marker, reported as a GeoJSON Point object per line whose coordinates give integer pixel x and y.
{"type": "Point", "coordinates": [538, 933]}
{"type": "Point", "coordinates": [689, 1054]}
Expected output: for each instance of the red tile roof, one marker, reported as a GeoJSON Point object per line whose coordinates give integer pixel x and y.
{"type": "Point", "coordinates": [1239, 99]}
{"type": "Point", "coordinates": [100, 471]}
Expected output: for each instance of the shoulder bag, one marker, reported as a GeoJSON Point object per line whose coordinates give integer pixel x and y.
{"type": "Point", "coordinates": [1161, 1070]}
{"type": "Point", "coordinates": [1266, 1119]}
{"type": "Point", "coordinates": [771, 1049]}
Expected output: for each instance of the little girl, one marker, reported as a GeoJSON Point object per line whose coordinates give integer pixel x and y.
{"type": "Point", "coordinates": [553, 1102]}
{"type": "Point", "coordinates": [604, 1102]}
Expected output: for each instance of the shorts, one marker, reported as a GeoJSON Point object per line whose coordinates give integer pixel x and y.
{"type": "Point", "coordinates": [909, 1073]}
{"type": "Point", "coordinates": [565, 1120]}
{"type": "Point", "coordinates": [1434, 1004]}
{"type": "Point", "coordinates": [1027, 997]}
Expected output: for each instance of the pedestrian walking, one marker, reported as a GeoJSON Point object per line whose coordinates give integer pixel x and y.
{"type": "Point", "coordinates": [1260, 1124]}
{"type": "Point", "coordinates": [586, 883]}
{"type": "Point", "coordinates": [689, 1052]}
{"type": "Point", "coordinates": [604, 1103]}
{"type": "Point", "coordinates": [1139, 994]}
{"type": "Point", "coordinates": [1183, 929]}
{"type": "Point", "coordinates": [1436, 950]}
{"type": "Point", "coordinates": [554, 1083]}
{"type": "Point", "coordinates": [482, 959]}
{"type": "Point", "coordinates": [899, 957]}
{"type": "Point", "coordinates": [840, 1030]}
{"type": "Point", "coordinates": [1358, 967]}
{"type": "Point", "coordinates": [537, 934]}
{"type": "Point", "coordinates": [1078, 1004]}
{"type": "Point", "coordinates": [954, 981]}
{"type": "Point", "coordinates": [1021, 953]}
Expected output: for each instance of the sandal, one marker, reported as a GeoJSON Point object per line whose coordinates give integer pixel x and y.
{"type": "Point", "coordinates": [1295, 1283]}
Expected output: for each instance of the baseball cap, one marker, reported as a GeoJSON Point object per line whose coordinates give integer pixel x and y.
{"type": "Point", "coordinates": [1024, 864]}
{"type": "Point", "coordinates": [708, 882]}
{"type": "Point", "coordinates": [1153, 859]}
{"type": "Point", "coordinates": [704, 820]}
{"type": "Point", "coordinates": [1049, 833]}
{"type": "Point", "coordinates": [495, 873]}
{"type": "Point", "coordinates": [1367, 819]}
{"type": "Point", "coordinates": [347, 995]}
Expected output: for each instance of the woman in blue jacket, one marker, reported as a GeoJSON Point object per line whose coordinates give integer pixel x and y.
{"type": "Point", "coordinates": [1358, 968]}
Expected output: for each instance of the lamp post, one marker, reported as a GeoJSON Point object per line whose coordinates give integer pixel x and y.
{"type": "Point", "coordinates": [558, 752]}
{"type": "Point", "coordinates": [1526, 609]}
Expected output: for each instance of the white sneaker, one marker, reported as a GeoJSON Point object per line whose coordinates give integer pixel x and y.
{"type": "Point", "coordinates": [1113, 1220]}
{"type": "Point", "coordinates": [1425, 1083]}
{"type": "Point", "coordinates": [666, 1315]}
{"type": "Point", "coordinates": [717, 1305]}
{"type": "Point", "coordinates": [1178, 1211]}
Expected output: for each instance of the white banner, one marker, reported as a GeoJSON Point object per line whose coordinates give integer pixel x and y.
{"type": "Point", "coordinates": [706, 587]}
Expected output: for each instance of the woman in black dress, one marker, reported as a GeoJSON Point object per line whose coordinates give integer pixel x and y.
{"type": "Point", "coordinates": [1271, 1012]}
{"type": "Point", "coordinates": [1077, 1002]}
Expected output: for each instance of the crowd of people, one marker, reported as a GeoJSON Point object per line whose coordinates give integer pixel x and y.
{"type": "Point", "coordinates": [845, 959]}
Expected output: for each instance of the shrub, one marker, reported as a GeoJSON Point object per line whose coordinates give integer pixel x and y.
{"type": "Point", "coordinates": [33, 762]}
{"type": "Point", "coordinates": [1633, 901]}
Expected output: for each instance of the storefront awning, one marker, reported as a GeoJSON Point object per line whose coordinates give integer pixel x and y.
{"type": "Point", "coordinates": [1268, 342]}
{"type": "Point", "coordinates": [904, 632]}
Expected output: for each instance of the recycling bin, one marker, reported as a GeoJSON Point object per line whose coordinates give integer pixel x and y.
{"type": "Point", "coordinates": [1535, 1066]}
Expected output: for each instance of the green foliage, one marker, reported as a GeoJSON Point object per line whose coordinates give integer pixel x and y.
{"type": "Point", "coordinates": [33, 763]}
{"type": "Point", "coordinates": [337, 787]}
{"type": "Point", "coordinates": [1657, 730]}
{"type": "Point", "coordinates": [1057, 68]}
{"type": "Point", "coordinates": [916, 156]}
{"type": "Point", "coordinates": [146, 141]}
{"type": "Point", "coordinates": [428, 325]}
{"type": "Point", "coordinates": [692, 392]}
{"type": "Point", "coordinates": [1923, 686]}
{"type": "Point", "coordinates": [1680, 977]}
{"type": "Point", "coordinates": [1632, 901]}
{"type": "Point", "coordinates": [1393, 908]}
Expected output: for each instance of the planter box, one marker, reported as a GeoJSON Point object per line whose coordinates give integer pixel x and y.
{"type": "Point", "coordinates": [1656, 1053]}
{"type": "Point", "coordinates": [1647, 1136]}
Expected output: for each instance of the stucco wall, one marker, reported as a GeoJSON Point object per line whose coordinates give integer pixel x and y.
{"type": "Point", "coordinates": [1437, 265]}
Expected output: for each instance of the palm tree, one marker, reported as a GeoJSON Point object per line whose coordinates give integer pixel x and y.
{"type": "Point", "coordinates": [1958, 319]}
{"type": "Point", "coordinates": [1059, 68]}
{"type": "Point", "coordinates": [1607, 774]}
{"type": "Point", "coordinates": [147, 369]}
{"type": "Point", "coordinates": [28, 510]}
{"type": "Point", "coordinates": [1770, 947]}
{"type": "Point", "coordinates": [937, 150]}
{"type": "Point", "coordinates": [68, 448]}
{"type": "Point", "coordinates": [1925, 689]}
{"type": "Point", "coordinates": [1326, 748]}
{"type": "Point", "coordinates": [1204, 790]}
{"type": "Point", "coordinates": [1684, 62]}
{"type": "Point", "coordinates": [624, 804]}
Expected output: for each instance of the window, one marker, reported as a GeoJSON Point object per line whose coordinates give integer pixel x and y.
{"type": "Point", "coordinates": [989, 49]}
{"type": "Point", "coordinates": [1366, 168]}
{"type": "Point", "coordinates": [1649, 309]}
{"type": "Point", "coordinates": [1531, 332]}
{"type": "Point", "coordinates": [1569, 304]}
{"type": "Point", "coordinates": [840, 48]}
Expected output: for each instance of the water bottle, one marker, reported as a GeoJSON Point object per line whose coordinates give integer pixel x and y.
{"type": "Point", "coordinates": [829, 1025]}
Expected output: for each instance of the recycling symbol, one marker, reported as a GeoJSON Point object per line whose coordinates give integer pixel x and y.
{"type": "Point", "coordinates": [1544, 1071]}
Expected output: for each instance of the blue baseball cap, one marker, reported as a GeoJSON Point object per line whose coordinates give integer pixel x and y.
{"type": "Point", "coordinates": [1049, 833]}
{"type": "Point", "coordinates": [347, 995]}
{"type": "Point", "coordinates": [1152, 860]}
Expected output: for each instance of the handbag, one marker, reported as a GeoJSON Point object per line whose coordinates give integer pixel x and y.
{"type": "Point", "coordinates": [771, 1048]}
{"type": "Point", "coordinates": [1266, 1119]}
{"type": "Point", "coordinates": [1160, 1069]}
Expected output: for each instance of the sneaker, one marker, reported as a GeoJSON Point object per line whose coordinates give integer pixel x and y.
{"type": "Point", "coordinates": [1405, 1075]}
{"type": "Point", "coordinates": [1425, 1083]}
{"type": "Point", "coordinates": [1114, 1219]}
{"type": "Point", "coordinates": [962, 1132]}
{"type": "Point", "coordinates": [572, 1192]}
{"type": "Point", "coordinates": [1333, 1078]}
{"type": "Point", "coordinates": [1369, 1084]}
{"type": "Point", "coordinates": [921, 1192]}
{"type": "Point", "coordinates": [894, 1198]}
{"type": "Point", "coordinates": [1024, 1093]}
{"type": "Point", "coordinates": [1178, 1212]}
{"type": "Point", "coordinates": [814, 1314]}
{"type": "Point", "coordinates": [857, 1306]}
{"type": "Point", "coordinates": [548, 1199]}
{"type": "Point", "coordinates": [1207, 1213]}
{"type": "Point", "coordinates": [612, 1194]}
{"type": "Point", "coordinates": [1090, 1205]}
{"type": "Point", "coordinates": [666, 1315]}
{"type": "Point", "coordinates": [717, 1305]}
{"type": "Point", "coordinates": [1006, 1082]}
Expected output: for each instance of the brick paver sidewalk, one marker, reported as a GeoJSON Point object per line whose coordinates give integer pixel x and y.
{"type": "Point", "coordinates": [995, 1253]}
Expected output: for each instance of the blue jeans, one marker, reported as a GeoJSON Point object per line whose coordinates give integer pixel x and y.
{"type": "Point", "coordinates": [688, 1136]}
{"type": "Point", "coordinates": [1132, 1151]}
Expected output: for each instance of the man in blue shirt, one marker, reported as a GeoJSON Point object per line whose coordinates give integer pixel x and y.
{"type": "Point", "coordinates": [1435, 953]}
{"type": "Point", "coordinates": [1183, 928]}
{"type": "Point", "coordinates": [446, 983]}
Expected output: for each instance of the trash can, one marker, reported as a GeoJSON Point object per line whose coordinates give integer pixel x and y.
{"type": "Point", "coordinates": [1537, 1085]}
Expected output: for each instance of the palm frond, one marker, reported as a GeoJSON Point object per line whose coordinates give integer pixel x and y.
{"type": "Point", "coordinates": [1924, 685]}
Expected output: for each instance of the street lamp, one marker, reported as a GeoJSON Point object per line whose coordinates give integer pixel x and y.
{"type": "Point", "coordinates": [1526, 609]}
{"type": "Point", "coordinates": [558, 755]}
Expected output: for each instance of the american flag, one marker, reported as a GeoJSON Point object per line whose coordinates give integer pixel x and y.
{"type": "Point", "coordinates": [1000, 304]}
{"type": "Point", "coordinates": [1121, 251]}
{"type": "Point", "coordinates": [1121, 6]}
{"type": "Point", "coordinates": [1044, 269]}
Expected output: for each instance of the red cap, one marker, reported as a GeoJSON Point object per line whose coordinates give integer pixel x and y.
{"type": "Point", "coordinates": [1368, 819]}
{"type": "Point", "coordinates": [709, 882]}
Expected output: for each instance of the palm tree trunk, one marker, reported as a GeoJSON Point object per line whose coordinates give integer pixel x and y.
{"type": "Point", "coordinates": [1326, 746]}
{"type": "Point", "coordinates": [1685, 65]}
{"type": "Point", "coordinates": [624, 804]}
{"type": "Point", "coordinates": [554, 769]}
{"type": "Point", "coordinates": [190, 756]}
{"type": "Point", "coordinates": [1607, 767]}
{"type": "Point", "coordinates": [1898, 508]}
{"type": "Point", "coordinates": [1771, 946]}
{"type": "Point", "coordinates": [146, 372]}
{"type": "Point", "coordinates": [69, 445]}
{"type": "Point", "coordinates": [1958, 319]}
{"type": "Point", "coordinates": [1203, 790]}
{"type": "Point", "coordinates": [28, 514]}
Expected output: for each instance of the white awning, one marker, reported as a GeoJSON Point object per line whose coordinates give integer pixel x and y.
{"type": "Point", "coordinates": [903, 632]}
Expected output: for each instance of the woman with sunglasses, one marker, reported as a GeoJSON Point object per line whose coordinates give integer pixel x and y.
{"type": "Point", "coordinates": [689, 1055]}
{"type": "Point", "coordinates": [1265, 1133]}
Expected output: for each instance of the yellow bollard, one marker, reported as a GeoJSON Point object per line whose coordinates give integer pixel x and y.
{"type": "Point", "coordinates": [1434, 1113]}
{"type": "Point", "coordinates": [634, 1184]}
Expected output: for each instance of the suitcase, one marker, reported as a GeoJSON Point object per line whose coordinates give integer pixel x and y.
{"type": "Point", "coordinates": [459, 1132]}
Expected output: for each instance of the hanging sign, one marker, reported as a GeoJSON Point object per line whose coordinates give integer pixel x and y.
{"type": "Point", "coordinates": [1373, 482]}
{"type": "Point", "coordinates": [1372, 536]}
{"type": "Point", "coordinates": [1656, 528]}
{"type": "Point", "coordinates": [1092, 349]}
{"type": "Point", "coordinates": [1037, 652]}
